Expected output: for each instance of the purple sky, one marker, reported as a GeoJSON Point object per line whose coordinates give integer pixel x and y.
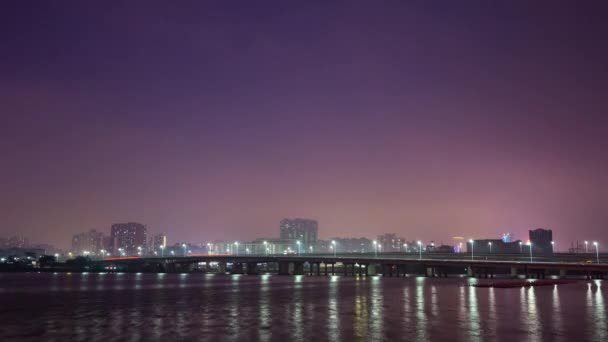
{"type": "Point", "coordinates": [209, 120]}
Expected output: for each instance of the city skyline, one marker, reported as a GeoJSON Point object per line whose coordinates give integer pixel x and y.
{"type": "Point", "coordinates": [216, 121]}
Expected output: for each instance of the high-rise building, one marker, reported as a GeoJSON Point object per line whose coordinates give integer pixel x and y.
{"type": "Point", "coordinates": [299, 229]}
{"type": "Point", "coordinates": [157, 241]}
{"type": "Point", "coordinates": [541, 240]}
{"type": "Point", "coordinates": [128, 238]}
{"type": "Point", "coordinates": [17, 242]}
{"type": "Point", "coordinates": [88, 243]}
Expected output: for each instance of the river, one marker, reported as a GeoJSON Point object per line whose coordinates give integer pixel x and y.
{"type": "Point", "coordinates": [209, 307]}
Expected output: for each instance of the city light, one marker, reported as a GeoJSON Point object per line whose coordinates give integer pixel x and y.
{"type": "Point", "coordinates": [530, 244]}
{"type": "Point", "coordinates": [236, 245]}
{"type": "Point", "coordinates": [490, 244]}
{"type": "Point", "coordinates": [586, 246]}
{"type": "Point", "coordinates": [420, 250]}
{"type": "Point", "coordinates": [298, 243]}
{"type": "Point", "coordinates": [375, 248]}
{"type": "Point", "coordinates": [333, 242]}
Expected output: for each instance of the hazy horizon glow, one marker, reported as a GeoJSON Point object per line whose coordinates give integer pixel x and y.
{"type": "Point", "coordinates": [215, 121]}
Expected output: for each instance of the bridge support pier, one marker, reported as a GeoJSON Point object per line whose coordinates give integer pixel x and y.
{"type": "Point", "coordinates": [252, 268]}
{"type": "Point", "coordinates": [513, 272]}
{"type": "Point", "coordinates": [298, 268]}
{"type": "Point", "coordinates": [170, 267]}
{"type": "Point", "coordinates": [371, 269]}
{"type": "Point", "coordinates": [283, 268]}
{"type": "Point", "coordinates": [237, 268]}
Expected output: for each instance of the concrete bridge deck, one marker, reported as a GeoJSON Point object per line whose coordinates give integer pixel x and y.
{"type": "Point", "coordinates": [362, 265]}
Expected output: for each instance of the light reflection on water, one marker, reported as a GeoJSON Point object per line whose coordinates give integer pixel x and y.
{"type": "Point", "coordinates": [557, 312]}
{"type": "Point", "coordinates": [474, 326]}
{"type": "Point", "coordinates": [596, 309]}
{"type": "Point", "coordinates": [421, 319]}
{"type": "Point", "coordinates": [528, 300]}
{"type": "Point", "coordinates": [298, 300]}
{"type": "Point", "coordinates": [265, 312]}
{"type": "Point", "coordinates": [267, 308]}
{"type": "Point", "coordinates": [491, 309]}
{"type": "Point", "coordinates": [377, 310]}
{"type": "Point", "coordinates": [600, 313]}
{"type": "Point", "coordinates": [333, 327]}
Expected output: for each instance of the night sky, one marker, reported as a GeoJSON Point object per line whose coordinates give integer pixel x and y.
{"type": "Point", "coordinates": [215, 119]}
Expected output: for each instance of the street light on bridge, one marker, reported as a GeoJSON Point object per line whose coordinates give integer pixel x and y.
{"type": "Point", "coordinates": [266, 247]}
{"type": "Point", "coordinates": [162, 250]}
{"type": "Point", "coordinates": [299, 244]}
{"type": "Point", "coordinates": [490, 244]}
{"type": "Point", "coordinates": [420, 249]}
{"type": "Point", "coordinates": [236, 247]}
{"type": "Point", "coordinates": [521, 248]}
{"type": "Point", "coordinates": [472, 249]}
{"type": "Point", "coordinates": [375, 248]}
{"type": "Point", "coordinates": [530, 244]}
{"type": "Point", "coordinates": [597, 252]}
{"type": "Point", "coordinates": [185, 248]}
{"type": "Point", "coordinates": [333, 242]}
{"type": "Point", "coordinates": [586, 246]}
{"type": "Point", "coordinates": [405, 247]}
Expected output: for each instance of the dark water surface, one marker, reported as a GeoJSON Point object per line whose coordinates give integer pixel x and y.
{"type": "Point", "coordinates": [152, 307]}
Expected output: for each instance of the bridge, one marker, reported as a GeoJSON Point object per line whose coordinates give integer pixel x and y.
{"type": "Point", "coordinates": [388, 265]}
